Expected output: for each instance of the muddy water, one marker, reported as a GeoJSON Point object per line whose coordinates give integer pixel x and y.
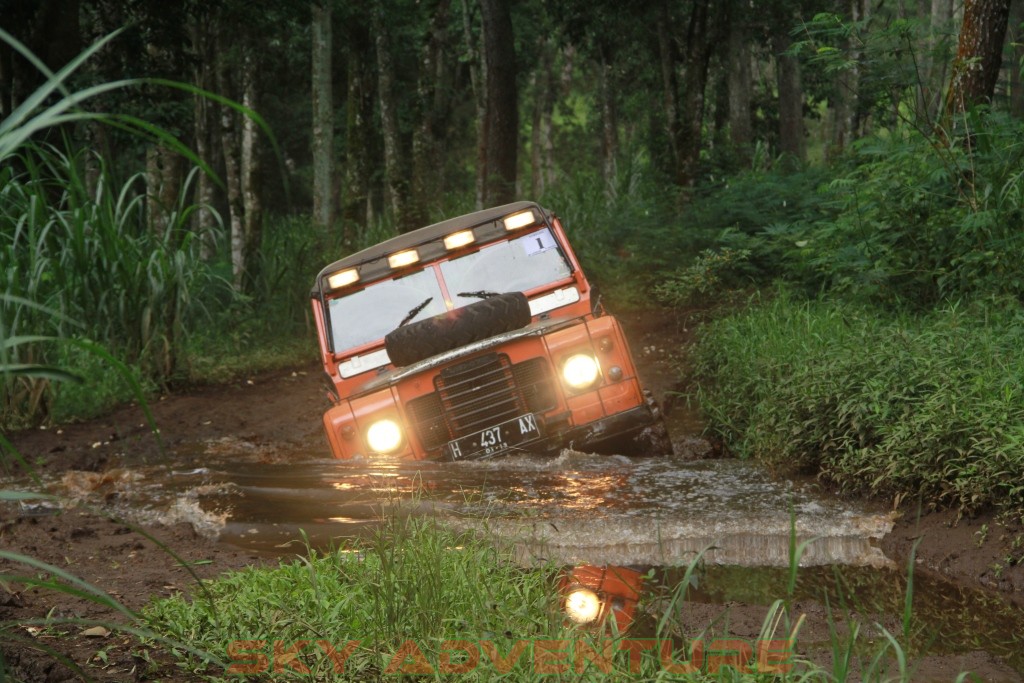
{"type": "Point", "coordinates": [578, 507]}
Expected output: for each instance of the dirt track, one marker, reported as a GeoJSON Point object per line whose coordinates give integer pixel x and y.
{"type": "Point", "coordinates": [282, 409]}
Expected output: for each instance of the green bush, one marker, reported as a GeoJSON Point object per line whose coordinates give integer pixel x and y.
{"type": "Point", "coordinates": [900, 405]}
{"type": "Point", "coordinates": [413, 579]}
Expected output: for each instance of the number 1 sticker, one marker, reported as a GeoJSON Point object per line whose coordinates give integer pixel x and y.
{"type": "Point", "coordinates": [538, 242]}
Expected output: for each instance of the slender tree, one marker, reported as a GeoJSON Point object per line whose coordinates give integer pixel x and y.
{"type": "Point", "coordinates": [396, 180]}
{"type": "Point", "coordinates": [323, 118]}
{"type": "Point", "coordinates": [791, 93]}
{"type": "Point", "coordinates": [432, 106]}
{"type": "Point", "coordinates": [202, 36]}
{"type": "Point", "coordinates": [502, 116]}
{"type": "Point", "coordinates": [740, 84]}
{"type": "Point", "coordinates": [360, 135]}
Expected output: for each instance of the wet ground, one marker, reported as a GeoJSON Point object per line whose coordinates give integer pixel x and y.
{"type": "Point", "coordinates": [245, 465]}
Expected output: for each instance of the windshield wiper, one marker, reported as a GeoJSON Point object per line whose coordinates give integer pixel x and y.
{"type": "Point", "coordinates": [416, 311]}
{"type": "Point", "coordinates": [482, 294]}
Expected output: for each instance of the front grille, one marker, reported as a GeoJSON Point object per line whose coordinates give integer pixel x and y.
{"type": "Point", "coordinates": [535, 386]}
{"type": "Point", "coordinates": [479, 393]}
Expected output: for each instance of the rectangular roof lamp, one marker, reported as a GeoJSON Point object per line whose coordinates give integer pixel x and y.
{"type": "Point", "coordinates": [459, 239]}
{"type": "Point", "coordinates": [520, 220]}
{"type": "Point", "coordinates": [342, 278]}
{"type": "Point", "coordinates": [401, 259]}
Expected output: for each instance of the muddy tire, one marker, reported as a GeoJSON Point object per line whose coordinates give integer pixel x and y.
{"type": "Point", "coordinates": [479, 320]}
{"type": "Point", "coordinates": [653, 439]}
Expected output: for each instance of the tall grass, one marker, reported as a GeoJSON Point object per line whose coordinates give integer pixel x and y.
{"type": "Point", "coordinates": [88, 254]}
{"type": "Point", "coordinates": [926, 406]}
{"type": "Point", "coordinates": [59, 255]}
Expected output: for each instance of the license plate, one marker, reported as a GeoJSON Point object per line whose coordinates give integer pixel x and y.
{"type": "Point", "coordinates": [496, 439]}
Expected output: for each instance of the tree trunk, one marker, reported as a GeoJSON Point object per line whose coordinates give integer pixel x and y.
{"type": "Point", "coordinates": [741, 129]}
{"type": "Point", "coordinates": [251, 168]}
{"type": "Point", "coordinates": [359, 136]}
{"type": "Point", "coordinates": [843, 109]}
{"type": "Point", "coordinates": [203, 219]}
{"type": "Point", "coordinates": [669, 84]}
{"type": "Point", "coordinates": [230, 140]}
{"type": "Point", "coordinates": [502, 102]}
{"type": "Point", "coordinates": [540, 133]}
{"type": "Point", "coordinates": [1016, 41]}
{"type": "Point", "coordinates": [791, 98]}
{"type": "Point", "coordinates": [701, 39]}
{"type": "Point", "coordinates": [432, 110]}
{"type": "Point", "coordinates": [609, 127]}
{"type": "Point", "coordinates": [932, 71]}
{"type": "Point", "coordinates": [477, 68]}
{"type": "Point", "coordinates": [163, 184]}
{"type": "Point", "coordinates": [396, 184]}
{"type": "Point", "coordinates": [323, 119]}
{"type": "Point", "coordinates": [978, 56]}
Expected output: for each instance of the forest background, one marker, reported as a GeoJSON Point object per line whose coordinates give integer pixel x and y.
{"type": "Point", "coordinates": [844, 176]}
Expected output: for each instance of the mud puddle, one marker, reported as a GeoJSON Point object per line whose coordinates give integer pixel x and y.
{"type": "Point", "coordinates": [582, 508]}
{"type": "Point", "coordinates": [577, 507]}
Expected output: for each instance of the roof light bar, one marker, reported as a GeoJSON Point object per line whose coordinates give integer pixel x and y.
{"type": "Point", "coordinates": [342, 278]}
{"type": "Point", "coordinates": [459, 239]}
{"type": "Point", "coordinates": [520, 220]}
{"type": "Point", "coordinates": [403, 258]}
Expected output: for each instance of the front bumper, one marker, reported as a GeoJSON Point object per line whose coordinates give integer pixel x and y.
{"type": "Point", "coordinates": [613, 434]}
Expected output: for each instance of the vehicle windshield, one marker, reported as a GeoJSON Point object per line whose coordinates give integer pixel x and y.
{"type": "Point", "coordinates": [514, 265]}
{"type": "Point", "coordinates": [369, 314]}
{"type": "Point", "coordinates": [517, 265]}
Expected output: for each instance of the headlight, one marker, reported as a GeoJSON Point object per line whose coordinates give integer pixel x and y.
{"type": "Point", "coordinates": [384, 436]}
{"type": "Point", "coordinates": [580, 371]}
{"type": "Point", "coordinates": [583, 606]}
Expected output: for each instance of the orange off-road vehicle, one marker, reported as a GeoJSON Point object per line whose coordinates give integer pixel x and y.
{"type": "Point", "coordinates": [475, 337]}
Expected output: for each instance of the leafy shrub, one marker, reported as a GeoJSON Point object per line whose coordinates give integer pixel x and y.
{"type": "Point", "coordinates": [900, 405]}
{"type": "Point", "coordinates": [708, 275]}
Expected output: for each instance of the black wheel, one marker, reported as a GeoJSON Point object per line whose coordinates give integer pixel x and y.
{"type": "Point", "coordinates": [479, 320]}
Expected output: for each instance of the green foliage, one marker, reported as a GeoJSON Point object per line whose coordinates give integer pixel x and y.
{"type": "Point", "coordinates": [411, 579]}
{"type": "Point", "coordinates": [101, 386]}
{"type": "Point", "coordinates": [88, 253]}
{"type": "Point", "coordinates": [916, 224]}
{"type": "Point", "coordinates": [900, 405]}
{"type": "Point", "coordinates": [703, 279]}
{"type": "Point", "coordinates": [616, 231]}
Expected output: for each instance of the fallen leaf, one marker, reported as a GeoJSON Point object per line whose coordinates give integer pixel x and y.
{"type": "Point", "coordinates": [96, 632]}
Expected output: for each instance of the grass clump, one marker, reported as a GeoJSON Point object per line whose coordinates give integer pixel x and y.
{"type": "Point", "coordinates": [904, 405]}
{"type": "Point", "coordinates": [411, 580]}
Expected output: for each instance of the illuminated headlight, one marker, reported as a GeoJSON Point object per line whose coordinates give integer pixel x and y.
{"type": "Point", "coordinates": [384, 436]}
{"type": "Point", "coordinates": [580, 371]}
{"type": "Point", "coordinates": [583, 606]}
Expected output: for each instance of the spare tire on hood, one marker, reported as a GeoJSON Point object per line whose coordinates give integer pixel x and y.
{"type": "Point", "coordinates": [480, 320]}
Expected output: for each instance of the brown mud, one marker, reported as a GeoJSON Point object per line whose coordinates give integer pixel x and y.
{"type": "Point", "coordinates": [281, 410]}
